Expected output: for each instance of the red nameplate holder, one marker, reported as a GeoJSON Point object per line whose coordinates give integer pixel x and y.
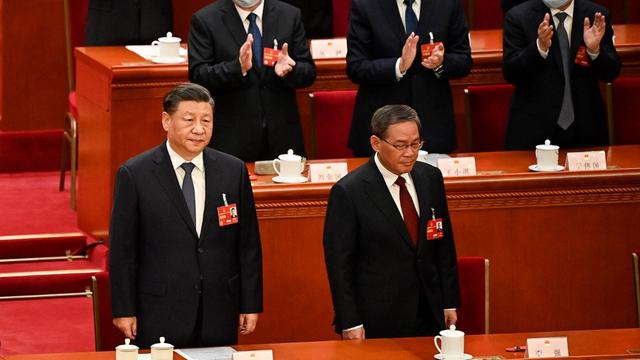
{"type": "Point", "coordinates": [582, 57]}
{"type": "Point", "coordinates": [270, 56]}
{"type": "Point", "coordinates": [435, 228]}
{"type": "Point", "coordinates": [227, 214]}
{"type": "Point", "coordinates": [427, 49]}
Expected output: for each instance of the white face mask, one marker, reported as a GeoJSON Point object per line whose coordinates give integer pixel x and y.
{"type": "Point", "coordinates": [246, 3]}
{"type": "Point", "coordinates": [555, 4]}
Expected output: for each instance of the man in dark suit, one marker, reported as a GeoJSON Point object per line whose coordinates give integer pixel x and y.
{"type": "Point", "coordinates": [392, 271]}
{"type": "Point", "coordinates": [181, 266]}
{"type": "Point", "coordinates": [257, 114]}
{"type": "Point", "coordinates": [555, 52]}
{"type": "Point", "coordinates": [384, 59]}
{"type": "Point", "coordinates": [127, 22]}
{"type": "Point", "coordinates": [317, 16]}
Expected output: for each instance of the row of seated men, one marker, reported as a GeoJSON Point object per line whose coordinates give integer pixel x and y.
{"type": "Point", "coordinates": [555, 53]}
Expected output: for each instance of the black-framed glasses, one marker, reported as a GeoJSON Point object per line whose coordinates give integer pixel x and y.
{"type": "Point", "coordinates": [415, 146]}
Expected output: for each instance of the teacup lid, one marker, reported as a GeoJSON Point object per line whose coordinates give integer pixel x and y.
{"type": "Point", "coordinates": [170, 38]}
{"type": "Point", "coordinates": [547, 146]}
{"type": "Point", "coordinates": [162, 345]}
{"type": "Point", "coordinates": [127, 346]}
{"type": "Point", "coordinates": [290, 156]}
{"type": "Point", "coordinates": [452, 332]}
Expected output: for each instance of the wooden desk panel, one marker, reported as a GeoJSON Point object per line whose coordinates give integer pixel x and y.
{"type": "Point", "coordinates": [33, 65]}
{"type": "Point", "coordinates": [594, 344]}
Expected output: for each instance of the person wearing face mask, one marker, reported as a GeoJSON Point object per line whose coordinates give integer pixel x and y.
{"type": "Point", "coordinates": [232, 53]}
{"type": "Point", "coordinates": [555, 53]}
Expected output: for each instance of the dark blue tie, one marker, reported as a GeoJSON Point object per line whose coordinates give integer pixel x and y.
{"type": "Point", "coordinates": [188, 191]}
{"type": "Point", "coordinates": [567, 116]}
{"type": "Point", "coordinates": [410, 19]}
{"type": "Point", "coordinates": [257, 39]}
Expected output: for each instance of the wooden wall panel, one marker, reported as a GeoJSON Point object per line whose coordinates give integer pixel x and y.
{"type": "Point", "coordinates": [34, 70]}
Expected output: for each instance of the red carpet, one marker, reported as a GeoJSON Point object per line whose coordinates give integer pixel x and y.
{"type": "Point", "coordinates": [37, 150]}
{"type": "Point", "coordinates": [46, 325]}
{"type": "Point", "coordinates": [30, 203]}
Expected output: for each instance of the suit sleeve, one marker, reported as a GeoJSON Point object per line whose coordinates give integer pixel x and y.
{"type": "Point", "coordinates": [607, 65]}
{"type": "Point", "coordinates": [249, 250]}
{"type": "Point", "coordinates": [362, 66]}
{"type": "Point", "coordinates": [446, 257]}
{"type": "Point", "coordinates": [521, 58]}
{"type": "Point", "coordinates": [304, 72]}
{"type": "Point", "coordinates": [340, 247]}
{"type": "Point", "coordinates": [204, 68]}
{"type": "Point", "coordinates": [457, 53]}
{"type": "Point", "coordinates": [123, 246]}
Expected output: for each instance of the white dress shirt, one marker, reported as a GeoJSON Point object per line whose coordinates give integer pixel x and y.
{"type": "Point", "coordinates": [394, 189]}
{"type": "Point", "coordinates": [197, 175]}
{"type": "Point", "coordinates": [244, 16]}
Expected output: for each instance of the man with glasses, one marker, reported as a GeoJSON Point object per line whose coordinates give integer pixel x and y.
{"type": "Point", "coordinates": [391, 268]}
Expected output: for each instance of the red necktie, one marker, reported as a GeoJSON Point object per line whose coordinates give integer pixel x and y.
{"type": "Point", "coordinates": [409, 212]}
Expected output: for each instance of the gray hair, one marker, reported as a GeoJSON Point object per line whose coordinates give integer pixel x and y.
{"type": "Point", "coordinates": [392, 114]}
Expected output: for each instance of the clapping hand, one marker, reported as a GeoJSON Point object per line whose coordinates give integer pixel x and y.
{"type": "Point", "coordinates": [593, 34]}
{"type": "Point", "coordinates": [285, 64]}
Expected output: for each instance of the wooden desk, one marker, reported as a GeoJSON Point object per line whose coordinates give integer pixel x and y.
{"type": "Point", "coordinates": [595, 344]}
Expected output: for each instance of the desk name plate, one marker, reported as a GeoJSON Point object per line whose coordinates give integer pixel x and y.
{"type": "Point", "coordinates": [458, 166]}
{"type": "Point", "coordinates": [327, 172]}
{"type": "Point", "coordinates": [587, 161]}
{"type": "Point", "coordinates": [253, 355]}
{"type": "Point", "coordinates": [547, 347]}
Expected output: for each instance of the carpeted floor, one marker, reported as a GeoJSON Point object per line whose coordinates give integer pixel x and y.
{"type": "Point", "coordinates": [30, 203]}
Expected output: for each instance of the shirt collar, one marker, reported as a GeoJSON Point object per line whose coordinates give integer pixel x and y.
{"type": "Point", "coordinates": [389, 177]}
{"type": "Point", "coordinates": [568, 11]}
{"type": "Point", "coordinates": [177, 160]}
{"type": "Point", "coordinates": [244, 13]}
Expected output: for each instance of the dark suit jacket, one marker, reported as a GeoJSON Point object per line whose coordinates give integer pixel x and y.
{"type": "Point", "coordinates": [508, 4]}
{"type": "Point", "coordinates": [245, 105]}
{"type": "Point", "coordinates": [126, 22]}
{"type": "Point", "coordinates": [159, 267]}
{"type": "Point", "coordinates": [537, 100]}
{"type": "Point", "coordinates": [317, 16]}
{"type": "Point", "coordinates": [375, 40]}
{"type": "Point", "coordinates": [374, 272]}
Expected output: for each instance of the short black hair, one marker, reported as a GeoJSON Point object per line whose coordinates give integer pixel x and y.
{"type": "Point", "coordinates": [186, 92]}
{"type": "Point", "coordinates": [392, 114]}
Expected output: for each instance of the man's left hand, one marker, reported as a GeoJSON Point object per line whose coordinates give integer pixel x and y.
{"type": "Point", "coordinates": [285, 64]}
{"type": "Point", "coordinates": [450, 317]}
{"type": "Point", "coordinates": [247, 323]}
{"type": "Point", "coordinates": [436, 58]}
{"type": "Point", "coordinates": [593, 34]}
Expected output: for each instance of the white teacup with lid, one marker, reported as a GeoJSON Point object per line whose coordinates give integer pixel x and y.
{"type": "Point", "coordinates": [127, 351]}
{"type": "Point", "coordinates": [167, 47]}
{"type": "Point", "coordinates": [452, 344]}
{"type": "Point", "coordinates": [547, 156]}
{"type": "Point", "coordinates": [289, 166]}
{"type": "Point", "coordinates": [162, 350]}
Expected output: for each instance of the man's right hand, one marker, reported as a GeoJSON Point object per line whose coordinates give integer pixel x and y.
{"type": "Point", "coordinates": [355, 334]}
{"type": "Point", "coordinates": [128, 326]}
{"type": "Point", "coordinates": [246, 54]}
{"type": "Point", "coordinates": [408, 52]}
{"type": "Point", "coordinates": [545, 33]}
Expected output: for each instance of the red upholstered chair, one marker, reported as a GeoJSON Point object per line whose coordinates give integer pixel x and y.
{"type": "Point", "coordinates": [107, 335]}
{"type": "Point", "coordinates": [75, 21]}
{"type": "Point", "coordinates": [42, 247]}
{"type": "Point", "coordinates": [331, 115]}
{"type": "Point", "coordinates": [341, 9]}
{"type": "Point", "coordinates": [487, 111]}
{"type": "Point", "coordinates": [636, 279]}
{"type": "Point", "coordinates": [624, 121]}
{"type": "Point", "coordinates": [633, 11]}
{"type": "Point", "coordinates": [473, 314]}
{"type": "Point", "coordinates": [484, 14]}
